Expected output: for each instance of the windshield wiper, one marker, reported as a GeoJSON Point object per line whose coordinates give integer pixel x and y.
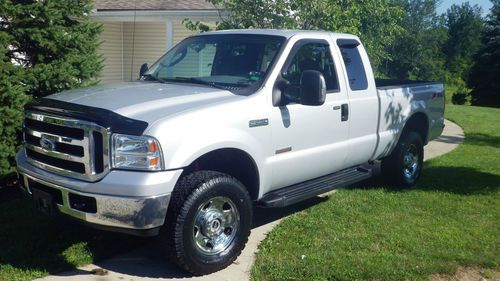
{"type": "Point", "coordinates": [202, 82]}
{"type": "Point", "coordinates": [154, 78]}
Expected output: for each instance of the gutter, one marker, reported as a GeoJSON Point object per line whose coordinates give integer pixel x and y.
{"type": "Point", "coordinates": [151, 15]}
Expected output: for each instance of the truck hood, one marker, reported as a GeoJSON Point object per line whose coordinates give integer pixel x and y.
{"type": "Point", "coordinates": [147, 101]}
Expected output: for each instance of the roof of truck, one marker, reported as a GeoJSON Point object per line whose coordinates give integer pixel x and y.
{"type": "Point", "coordinates": [279, 32]}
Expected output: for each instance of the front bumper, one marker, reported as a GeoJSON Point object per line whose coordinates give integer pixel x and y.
{"type": "Point", "coordinates": [142, 209]}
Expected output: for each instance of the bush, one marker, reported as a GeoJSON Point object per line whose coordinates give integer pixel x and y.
{"type": "Point", "coordinates": [460, 97]}
{"type": "Point", "coordinates": [12, 99]}
{"type": "Point", "coordinates": [45, 47]}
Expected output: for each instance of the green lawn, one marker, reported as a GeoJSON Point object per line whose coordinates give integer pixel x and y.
{"type": "Point", "coordinates": [32, 245]}
{"type": "Point", "coordinates": [451, 219]}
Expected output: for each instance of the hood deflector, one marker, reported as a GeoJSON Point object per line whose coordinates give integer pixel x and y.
{"type": "Point", "coordinates": [110, 120]}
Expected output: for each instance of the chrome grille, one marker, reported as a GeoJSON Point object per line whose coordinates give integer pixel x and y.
{"type": "Point", "coordinates": [67, 146]}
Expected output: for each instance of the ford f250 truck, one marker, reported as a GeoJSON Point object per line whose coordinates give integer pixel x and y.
{"type": "Point", "coordinates": [222, 122]}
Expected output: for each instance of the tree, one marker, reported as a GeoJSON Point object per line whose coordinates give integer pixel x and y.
{"type": "Point", "coordinates": [240, 14]}
{"type": "Point", "coordinates": [484, 75]}
{"type": "Point", "coordinates": [376, 22]}
{"type": "Point", "coordinates": [46, 46]}
{"type": "Point", "coordinates": [12, 100]}
{"type": "Point", "coordinates": [54, 41]}
{"type": "Point", "coordinates": [464, 24]}
{"type": "Point", "coordinates": [416, 53]}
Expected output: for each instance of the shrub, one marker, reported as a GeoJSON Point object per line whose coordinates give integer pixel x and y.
{"type": "Point", "coordinates": [12, 99]}
{"type": "Point", "coordinates": [460, 97]}
{"type": "Point", "coordinates": [45, 47]}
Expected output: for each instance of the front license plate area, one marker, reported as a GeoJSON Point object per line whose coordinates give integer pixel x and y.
{"type": "Point", "coordinates": [44, 202]}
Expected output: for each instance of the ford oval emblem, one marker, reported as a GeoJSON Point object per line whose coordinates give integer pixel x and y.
{"type": "Point", "coordinates": [47, 144]}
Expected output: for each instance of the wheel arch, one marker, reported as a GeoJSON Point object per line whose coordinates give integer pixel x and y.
{"type": "Point", "coordinates": [232, 161]}
{"type": "Point", "coordinates": [417, 122]}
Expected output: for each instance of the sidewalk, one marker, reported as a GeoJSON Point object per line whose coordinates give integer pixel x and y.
{"type": "Point", "coordinates": [146, 264]}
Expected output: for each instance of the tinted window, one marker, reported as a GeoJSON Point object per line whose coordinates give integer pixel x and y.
{"type": "Point", "coordinates": [355, 69]}
{"type": "Point", "coordinates": [310, 56]}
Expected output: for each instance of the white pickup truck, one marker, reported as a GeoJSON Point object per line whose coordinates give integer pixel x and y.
{"type": "Point", "coordinates": [222, 122]}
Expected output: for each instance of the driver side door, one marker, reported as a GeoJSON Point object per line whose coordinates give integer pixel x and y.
{"type": "Point", "coordinates": [310, 141]}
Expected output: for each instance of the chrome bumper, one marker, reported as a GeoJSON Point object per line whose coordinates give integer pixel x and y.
{"type": "Point", "coordinates": [144, 210]}
{"type": "Point", "coordinates": [112, 211]}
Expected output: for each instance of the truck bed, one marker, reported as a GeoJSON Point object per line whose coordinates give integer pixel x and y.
{"type": "Point", "coordinates": [397, 98]}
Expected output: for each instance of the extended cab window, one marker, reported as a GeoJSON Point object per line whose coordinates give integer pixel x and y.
{"type": "Point", "coordinates": [355, 68]}
{"type": "Point", "coordinates": [310, 56]}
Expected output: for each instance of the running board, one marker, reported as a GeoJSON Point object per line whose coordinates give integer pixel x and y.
{"type": "Point", "coordinates": [298, 192]}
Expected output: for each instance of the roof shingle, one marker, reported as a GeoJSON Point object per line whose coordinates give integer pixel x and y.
{"type": "Point", "coordinates": [123, 5]}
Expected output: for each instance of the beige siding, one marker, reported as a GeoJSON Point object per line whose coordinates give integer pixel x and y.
{"type": "Point", "coordinates": [148, 44]}
{"type": "Point", "coordinates": [111, 51]}
{"type": "Point", "coordinates": [180, 31]}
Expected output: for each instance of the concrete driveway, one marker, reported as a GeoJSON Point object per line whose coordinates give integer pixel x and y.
{"type": "Point", "coordinates": [147, 264]}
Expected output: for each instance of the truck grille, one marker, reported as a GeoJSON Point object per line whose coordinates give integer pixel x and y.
{"type": "Point", "coordinates": [67, 146]}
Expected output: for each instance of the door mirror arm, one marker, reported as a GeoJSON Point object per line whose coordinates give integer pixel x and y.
{"type": "Point", "coordinates": [281, 84]}
{"type": "Point", "coordinates": [143, 70]}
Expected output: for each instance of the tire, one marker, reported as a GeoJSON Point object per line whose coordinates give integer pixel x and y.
{"type": "Point", "coordinates": [206, 205]}
{"type": "Point", "coordinates": [403, 167]}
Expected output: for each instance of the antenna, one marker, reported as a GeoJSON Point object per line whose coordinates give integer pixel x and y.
{"type": "Point", "coordinates": [133, 42]}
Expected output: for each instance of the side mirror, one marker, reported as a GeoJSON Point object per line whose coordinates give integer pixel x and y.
{"type": "Point", "coordinates": [144, 68]}
{"type": "Point", "coordinates": [312, 88]}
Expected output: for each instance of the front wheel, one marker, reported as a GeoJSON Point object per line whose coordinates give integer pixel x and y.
{"type": "Point", "coordinates": [403, 167]}
{"type": "Point", "coordinates": [208, 222]}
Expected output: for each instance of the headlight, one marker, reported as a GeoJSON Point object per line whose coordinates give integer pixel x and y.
{"type": "Point", "coordinates": [136, 153]}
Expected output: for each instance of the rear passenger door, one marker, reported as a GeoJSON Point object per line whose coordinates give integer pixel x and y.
{"type": "Point", "coordinates": [364, 106]}
{"type": "Point", "coordinates": [310, 141]}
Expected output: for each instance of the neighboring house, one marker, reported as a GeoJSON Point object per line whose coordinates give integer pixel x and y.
{"type": "Point", "coordinates": [157, 24]}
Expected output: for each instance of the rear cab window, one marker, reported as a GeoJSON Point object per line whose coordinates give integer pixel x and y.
{"type": "Point", "coordinates": [353, 62]}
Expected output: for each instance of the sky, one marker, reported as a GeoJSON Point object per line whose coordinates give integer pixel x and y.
{"type": "Point", "coordinates": [485, 5]}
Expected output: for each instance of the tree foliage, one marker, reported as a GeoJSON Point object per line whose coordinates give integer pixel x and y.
{"type": "Point", "coordinates": [376, 22]}
{"type": "Point", "coordinates": [464, 25]}
{"type": "Point", "coordinates": [12, 99]}
{"type": "Point", "coordinates": [54, 42]}
{"type": "Point", "coordinates": [46, 46]}
{"type": "Point", "coordinates": [485, 73]}
{"type": "Point", "coordinates": [416, 52]}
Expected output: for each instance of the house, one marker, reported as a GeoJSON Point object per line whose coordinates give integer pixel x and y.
{"type": "Point", "coordinates": [140, 31]}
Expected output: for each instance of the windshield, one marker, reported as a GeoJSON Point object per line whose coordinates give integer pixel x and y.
{"type": "Point", "coordinates": [231, 61]}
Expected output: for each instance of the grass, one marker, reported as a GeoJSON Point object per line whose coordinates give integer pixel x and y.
{"type": "Point", "coordinates": [33, 245]}
{"type": "Point", "coordinates": [451, 219]}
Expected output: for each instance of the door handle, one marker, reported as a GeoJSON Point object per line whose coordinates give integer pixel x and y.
{"type": "Point", "coordinates": [344, 112]}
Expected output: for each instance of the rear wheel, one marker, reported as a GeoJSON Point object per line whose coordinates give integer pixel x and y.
{"type": "Point", "coordinates": [208, 222]}
{"type": "Point", "coordinates": [402, 168]}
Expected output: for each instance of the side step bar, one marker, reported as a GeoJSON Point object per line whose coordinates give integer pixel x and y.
{"type": "Point", "coordinates": [298, 192]}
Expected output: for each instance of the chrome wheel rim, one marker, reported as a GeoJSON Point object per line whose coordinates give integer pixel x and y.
{"type": "Point", "coordinates": [215, 225]}
{"type": "Point", "coordinates": [410, 162]}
